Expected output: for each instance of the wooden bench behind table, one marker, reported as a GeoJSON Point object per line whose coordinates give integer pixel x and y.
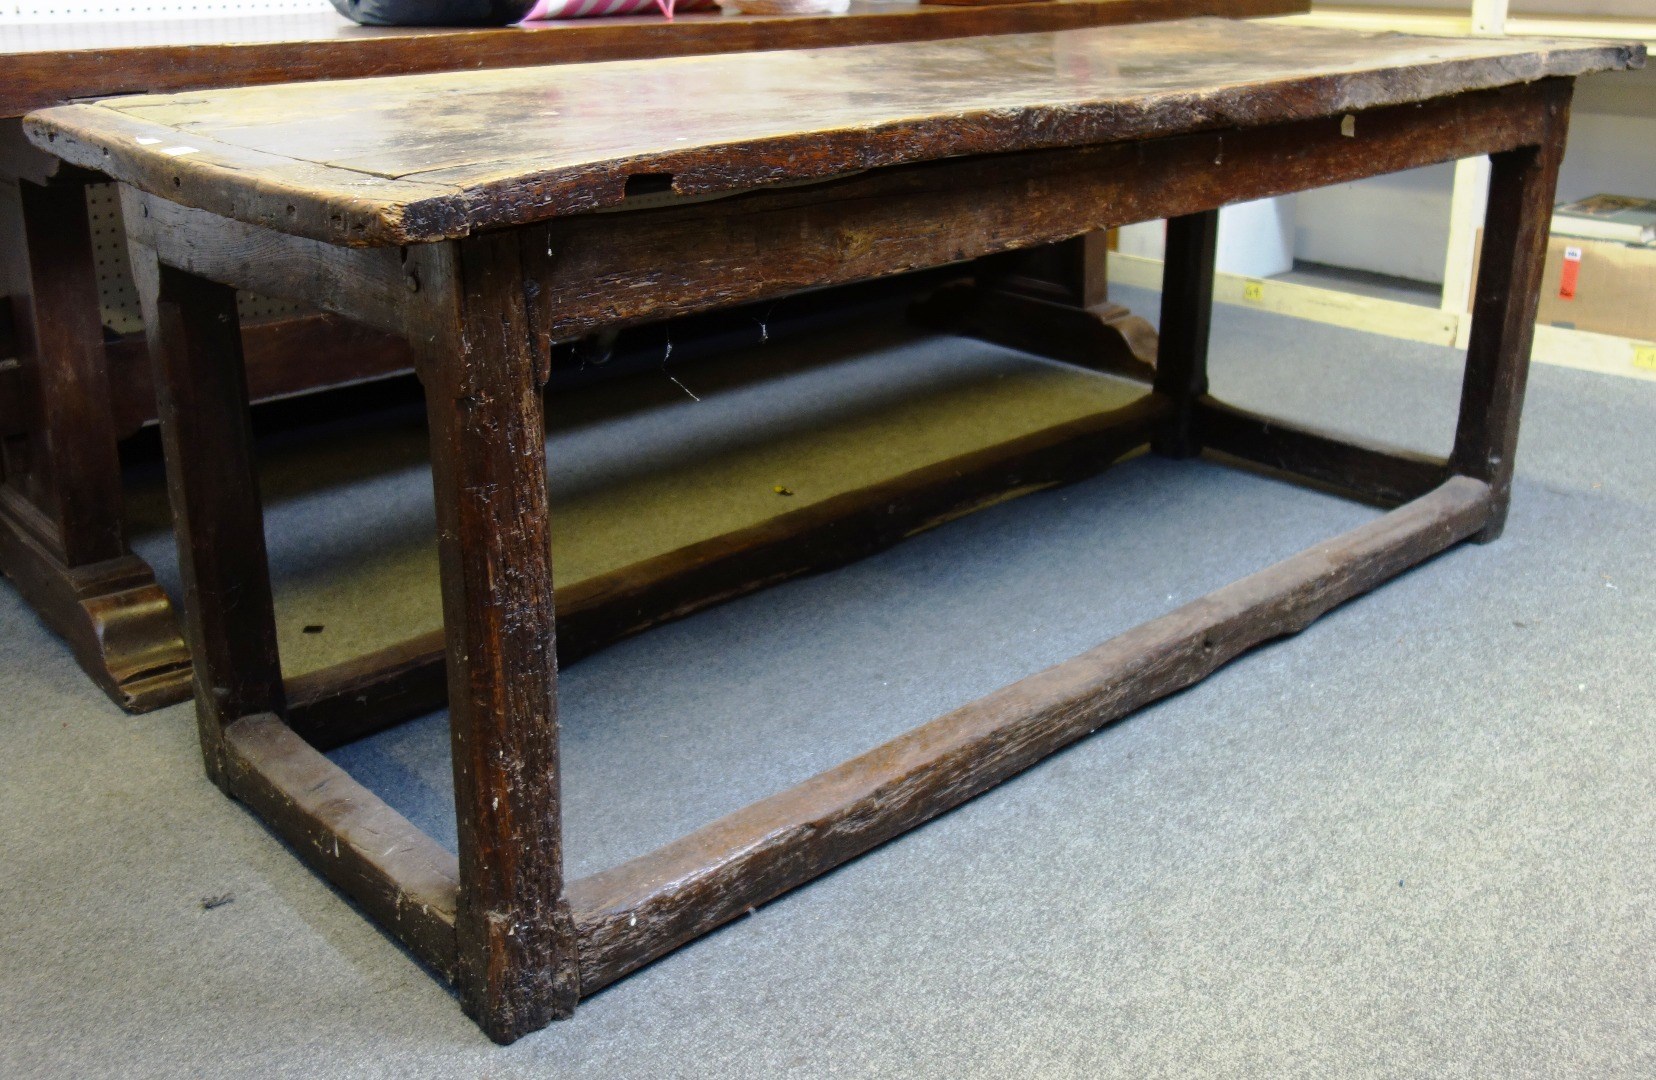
{"type": "Point", "coordinates": [494, 251]}
{"type": "Point", "coordinates": [69, 397]}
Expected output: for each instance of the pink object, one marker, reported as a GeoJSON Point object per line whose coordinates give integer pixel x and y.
{"type": "Point", "coordinates": [580, 9]}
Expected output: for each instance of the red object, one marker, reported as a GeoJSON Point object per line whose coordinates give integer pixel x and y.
{"type": "Point", "coordinates": [1572, 269]}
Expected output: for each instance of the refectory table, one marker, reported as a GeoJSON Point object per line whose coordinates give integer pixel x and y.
{"type": "Point", "coordinates": [485, 215]}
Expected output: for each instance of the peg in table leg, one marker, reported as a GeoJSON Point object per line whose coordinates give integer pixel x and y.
{"type": "Point", "coordinates": [483, 377]}
{"type": "Point", "coordinates": [1186, 318]}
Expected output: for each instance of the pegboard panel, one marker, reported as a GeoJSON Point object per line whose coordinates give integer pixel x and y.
{"type": "Point", "coordinates": [117, 297]}
{"type": "Point", "coordinates": [71, 11]}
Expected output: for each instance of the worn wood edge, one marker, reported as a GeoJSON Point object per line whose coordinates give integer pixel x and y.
{"type": "Point", "coordinates": [118, 623]}
{"type": "Point", "coordinates": [344, 206]}
{"type": "Point", "coordinates": [343, 702]}
{"type": "Point", "coordinates": [156, 69]}
{"type": "Point", "coordinates": [337, 704]}
{"type": "Point", "coordinates": [285, 357]}
{"type": "Point", "coordinates": [1372, 472]}
{"type": "Point", "coordinates": [400, 876]}
{"type": "Point", "coordinates": [370, 285]}
{"type": "Point", "coordinates": [606, 265]}
{"type": "Point", "coordinates": [301, 198]}
{"type": "Point", "coordinates": [644, 908]}
{"type": "Point", "coordinates": [581, 189]}
{"type": "Point", "coordinates": [384, 287]}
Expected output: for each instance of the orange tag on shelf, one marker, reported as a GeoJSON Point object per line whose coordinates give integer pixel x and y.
{"type": "Point", "coordinates": [1572, 270]}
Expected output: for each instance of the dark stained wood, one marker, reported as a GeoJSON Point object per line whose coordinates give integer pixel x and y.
{"type": "Point", "coordinates": [119, 624]}
{"type": "Point", "coordinates": [1383, 475]}
{"type": "Point", "coordinates": [1104, 338]}
{"type": "Point", "coordinates": [213, 488]}
{"type": "Point", "coordinates": [399, 875]}
{"type": "Point", "coordinates": [283, 357]}
{"type": "Point", "coordinates": [74, 465]}
{"type": "Point", "coordinates": [627, 268]}
{"type": "Point", "coordinates": [17, 407]}
{"type": "Point", "coordinates": [345, 702]}
{"type": "Point", "coordinates": [1071, 272]}
{"type": "Point", "coordinates": [396, 162]}
{"type": "Point", "coordinates": [373, 286]}
{"type": "Point", "coordinates": [1186, 321]}
{"type": "Point", "coordinates": [8, 338]}
{"type": "Point", "coordinates": [49, 64]}
{"type": "Point", "coordinates": [61, 538]}
{"type": "Point", "coordinates": [636, 912]}
{"type": "Point", "coordinates": [1521, 187]}
{"type": "Point", "coordinates": [605, 270]}
{"type": "Point", "coordinates": [515, 954]}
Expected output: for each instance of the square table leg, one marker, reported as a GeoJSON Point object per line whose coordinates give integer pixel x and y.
{"type": "Point", "coordinates": [61, 536]}
{"type": "Point", "coordinates": [1186, 323]}
{"type": "Point", "coordinates": [483, 374]}
{"type": "Point", "coordinates": [1521, 187]}
{"type": "Point", "coordinates": [201, 394]}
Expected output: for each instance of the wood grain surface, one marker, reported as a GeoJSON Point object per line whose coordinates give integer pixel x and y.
{"type": "Point", "coordinates": [423, 158]}
{"type": "Point", "coordinates": [51, 63]}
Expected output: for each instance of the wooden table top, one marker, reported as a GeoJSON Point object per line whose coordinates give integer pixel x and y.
{"type": "Point", "coordinates": [53, 63]}
{"type": "Point", "coordinates": [422, 158]}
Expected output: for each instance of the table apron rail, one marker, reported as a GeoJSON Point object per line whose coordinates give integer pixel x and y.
{"type": "Point", "coordinates": [618, 268]}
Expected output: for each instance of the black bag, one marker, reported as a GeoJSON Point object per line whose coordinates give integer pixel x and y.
{"type": "Point", "coordinates": [433, 12]}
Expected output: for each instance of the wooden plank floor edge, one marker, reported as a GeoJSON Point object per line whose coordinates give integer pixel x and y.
{"type": "Point", "coordinates": [636, 912]}
{"type": "Point", "coordinates": [347, 701]}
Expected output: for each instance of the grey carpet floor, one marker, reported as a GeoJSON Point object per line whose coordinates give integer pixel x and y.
{"type": "Point", "coordinates": [1415, 840]}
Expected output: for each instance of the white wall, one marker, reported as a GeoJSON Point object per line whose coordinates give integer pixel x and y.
{"type": "Point", "coordinates": [1397, 225]}
{"type": "Point", "coordinates": [1255, 239]}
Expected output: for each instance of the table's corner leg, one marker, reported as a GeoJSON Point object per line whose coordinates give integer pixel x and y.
{"type": "Point", "coordinates": [201, 394]}
{"type": "Point", "coordinates": [1186, 320]}
{"type": "Point", "coordinates": [62, 539]}
{"type": "Point", "coordinates": [484, 375]}
{"type": "Point", "coordinates": [1521, 187]}
{"type": "Point", "coordinates": [1050, 301]}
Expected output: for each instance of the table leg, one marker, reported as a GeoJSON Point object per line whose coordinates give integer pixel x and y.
{"type": "Point", "coordinates": [516, 962]}
{"type": "Point", "coordinates": [218, 520]}
{"type": "Point", "coordinates": [1521, 187]}
{"type": "Point", "coordinates": [1186, 319]}
{"type": "Point", "coordinates": [61, 535]}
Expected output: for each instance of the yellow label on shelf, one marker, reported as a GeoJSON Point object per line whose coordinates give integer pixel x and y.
{"type": "Point", "coordinates": [1253, 291]}
{"type": "Point", "coordinates": [1644, 356]}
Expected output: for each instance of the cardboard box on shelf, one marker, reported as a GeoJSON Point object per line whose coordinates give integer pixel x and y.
{"type": "Point", "coordinates": [1598, 285]}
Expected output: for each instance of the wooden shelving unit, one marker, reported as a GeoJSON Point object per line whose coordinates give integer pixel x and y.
{"type": "Point", "coordinates": [1448, 323]}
